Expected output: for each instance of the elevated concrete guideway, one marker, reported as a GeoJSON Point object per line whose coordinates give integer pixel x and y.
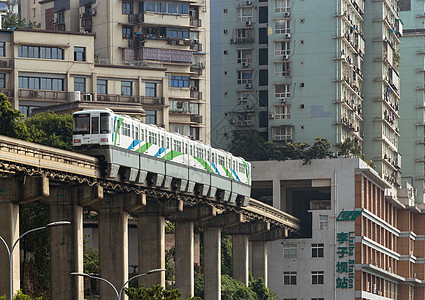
{"type": "Point", "coordinates": [70, 182]}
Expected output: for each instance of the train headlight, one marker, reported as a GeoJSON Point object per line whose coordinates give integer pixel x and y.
{"type": "Point", "coordinates": [76, 141]}
{"type": "Point", "coordinates": [104, 140]}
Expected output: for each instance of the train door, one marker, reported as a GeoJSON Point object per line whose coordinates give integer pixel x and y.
{"type": "Point", "coordinates": [95, 124]}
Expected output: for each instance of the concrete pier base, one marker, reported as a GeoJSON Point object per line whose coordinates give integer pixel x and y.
{"type": "Point", "coordinates": [66, 244]}
{"type": "Point", "coordinates": [259, 260]}
{"type": "Point", "coordinates": [151, 230]}
{"type": "Point", "coordinates": [185, 258]}
{"type": "Point", "coordinates": [240, 246]}
{"type": "Point", "coordinates": [113, 246]}
{"type": "Point", "coordinates": [212, 263]}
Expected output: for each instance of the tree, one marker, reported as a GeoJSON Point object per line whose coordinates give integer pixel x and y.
{"type": "Point", "coordinates": [13, 21]}
{"type": "Point", "coordinates": [91, 257]}
{"type": "Point", "coordinates": [156, 292]}
{"type": "Point", "coordinates": [348, 148]}
{"type": "Point", "coordinates": [10, 120]}
{"type": "Point", "coordinates": [50, 129]}
{"type": "Point", "coordinates": [320, 149]}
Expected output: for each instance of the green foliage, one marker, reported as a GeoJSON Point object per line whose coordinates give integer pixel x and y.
{"type": "Point", "coordinates": [232, 289]}
{"type": "Point", "coordinates": [50, 129]}
{"type": "Point", "coordinates": [226, 255]}
{"type": "Point", "coordinates": [262, 292]}
{"type": "Point", "coordinates": [20, 296]}
{"type": "Point", "coordinates": [348, 148]}
{"type": "Point", "coordinates": [156, 292]}
{"type": "Point", "coordinates": [170, 226]}
{"type": "Point", "coordinates": [10, 120]}
{"type": "Point", "coordinates": [319, 150]}
{"type": "Point", "coordinates": [13, 21]}
{"type": "Point", "coordinates": [35, 272]}
{"type": "Point", "coordinates": [170, 265]}
{"type": "Point", "coordinates": [91, 257]}
{"type": "Point", "coordinates": [199, 286]}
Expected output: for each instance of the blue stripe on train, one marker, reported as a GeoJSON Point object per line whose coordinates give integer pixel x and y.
{"type": "Point", "coordinates": [160, 151]}
{"type": "Point", "coordinates": [215, 168]}
{"type": "Point", "coordinates": [236, 176]}
{"type": "Point", "coordinates": [133, 144]}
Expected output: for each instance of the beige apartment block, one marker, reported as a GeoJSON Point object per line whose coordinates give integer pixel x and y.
{"type": "Point", "coordinates": [160, 47]}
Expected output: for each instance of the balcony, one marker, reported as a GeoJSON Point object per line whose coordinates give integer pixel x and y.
{"type": "Point", "coordinates": [6, 63]}
{"type": "Point", "coordinates": [152, 100]}
{"type": "Point", "coordinates": [157, 54]}
{"type": "Point", "coordinates": [60, 27]}
{"type": "Point", "coordinates": [86, 22]}
{"type": "Point", "coordinates": [7, 92]}
{"type": "Point", "coordinates": [136, 18]}
{"type": "Point", "coordinates": [195, 22]}
{"type": "Point", "coordinates": [42, 95]}
{"type": "Point", "coordinates": [118, 98]}
{"type": "Point", "coordinates": [320, 205]}
{"type": "Point", "coordinates": [195, 94]}
{"type": "Point", "coordinates": [196, 118]}
{"type": "Point", "coordinates": [242, 40]}
{"type": "Point", "coordinates": [196, 46]}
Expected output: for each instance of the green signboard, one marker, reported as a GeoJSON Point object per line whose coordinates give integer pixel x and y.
{"type": "Point", "coordinates": [348, 215]}
{"type": "Point", "coordinates": [345, 260]}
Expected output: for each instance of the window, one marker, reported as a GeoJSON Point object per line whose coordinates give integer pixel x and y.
{"type": "Point", "coordinates": [102, 86]}
{"type": "Point", "coordinates": [245, 56]}
{"type": "Point", "coordinates": [150, 117]}
{"type": "Point", "coordinates": [177, 33]}
{"type": "Point", "coordinates": [282, 91]}
{"type": "Point", "coordinates": [323, 223]}
{"type": "Point", "coordinates": [317, 277]}
{"type": "Point", "coordinates": [2, 80]}
{"type": "Point", "coordinates": [282, 111]}
{"type": "Point", "coordinates": [282, 5]}
{"type": "Point", "coordinates": [178, 81]}
{"type": "Point", "coordinates": [282, 26]}
{"type": "Point", "coordinates": [263, 77]}
{"type": "Point", "coordinates": [2, 49]}
{"type": "Point", "coordinates": [150, 89]}
{"type": "Point", "coordinates": [126, 8]}
{"type": "Point", "coordinates": [180, 128]}
{"type": "Point", "coordinates": [61, 17]}
{"type": "Point", "coordinates": [126, 32]}
{"type": "Point", "coordinates": [282, 133]}
{"type": "Point", "coordinates": [244, 77]}
{"type": "Point", "coordinates": [244, 14]}
{"type": "Point", "coordinates": [282, 48]}
{"type": "Point", "coordinates": [126, 88]}
{"type": "Point", "coordinates": [43, 83]}
{"type": "Point", "coordinates": [263, 14]}
{"type": "Point", "coordinates": [282, 69]}
{"type": "Point", "coordinates": [244, 34]}
{"type": "Point", "coordinates": [317, 250]}
{"type": "Point", "coordinates": [40, 52]}
{"type": "Point", "coordinates": [79, 54]}
{"type": "Point", "coordinates": [26, 110]}
{"type": "Point", "coordinates": [179, 106]}
{"type": "Point", "coordinates": [289, 278]}
{"type": "Point", "coordinates": [80, 84]}
{"type": "Point", "coordinates": [290, 251]}
{"type": "Point", "coordinates": [125, 129]}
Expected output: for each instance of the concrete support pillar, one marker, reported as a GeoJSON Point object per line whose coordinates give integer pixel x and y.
{"type": "Point", "coordinates": [113, 246]}
{"type": "Point", "coordinates": [9, 231]}
{"type": "Point", "coordinates": [151, 248]}
{"type": "Point", "coordinates": [259, 260]}
{"type": "Point", "coordinates": [66, 244]}
{"type": "Point", "coordinates": [240, 245]}
{"type": "Point", "coordinates": [184, 258]}
{"type": "Point", "coordinates": [212, 263]}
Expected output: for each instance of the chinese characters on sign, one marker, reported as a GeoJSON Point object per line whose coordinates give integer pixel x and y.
{"type": "Point", "coordinates": [345, 260]}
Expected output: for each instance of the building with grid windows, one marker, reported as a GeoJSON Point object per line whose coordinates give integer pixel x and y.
{"type": "Point", "coordinates": [295, 70]}
{"type": "Point", "coordinates": [160, 49]}
{"type": "Point", "coordinates": [362, 239]}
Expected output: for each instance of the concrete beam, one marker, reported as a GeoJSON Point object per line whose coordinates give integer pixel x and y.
{"type": "Point", "coordinates": [223, 220]}
{"type": "Point", "coordinates": [66, 243]}
{"type": "Point", "coordinates": [193, 214]}
{"type": "Point", "coordinates": [185, 258]}
{"type": "Point", "coordinates": [151, 230]}
{"type": "Point", "coordinates": [272, 235]}
{"type": "Point", "coordinates": [212, 263]}
{"type": "Point", "coordinates": [134, 202]}
{"type": "Point", "coordinates": [90, 195]}
{"type": "Point", "coordinates": [24, 189]}
{"type": "Point", "coordinates": [248, 228]}
{"type": "Point", "coordinates": [113, 244]}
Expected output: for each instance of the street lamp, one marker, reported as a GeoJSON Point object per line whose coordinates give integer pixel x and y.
{"type": "Point", "coordinates": [10, 251]}
{"type": "Point", "coordinates": [122, 288]}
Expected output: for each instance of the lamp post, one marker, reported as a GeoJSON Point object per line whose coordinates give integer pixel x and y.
{"type": "Point", "coordinates": [10, 251]}
{"type": "Point", "coordinates": [122, 288]}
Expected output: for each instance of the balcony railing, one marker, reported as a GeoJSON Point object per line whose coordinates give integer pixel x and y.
{"type": "Point", "coordinates": [196, 118]}
{"type": "Point", "coordinates": [86, 22]}
{"type": "Point", "coordinates": [39, 94]}
{"type": "Point", "coordinates": [195, 22]}
{"type": "Point", "coordinates": [60, 27]}
{"type": "Point", "coordinates": [152, 100]}
{"type": "Point", "coordinates": [196, 94]}
{"type": "Point", "coordinates": [6, 63]}
{"type": "Point", "coordinates": [136, 18]}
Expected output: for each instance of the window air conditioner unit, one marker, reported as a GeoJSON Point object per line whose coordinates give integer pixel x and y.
{"type": "Point", "coordinates": [173, 42]}
{"type": "Point", "coordinates": [248, 2]}
{"type": "Point", "coordinates": [271, 116]}
{"type": "Point", "coordinates": [287, 14]}
{"type": "Point", "coordinates": [245, 64]}
{"type": "Point", "coordinates": [54, 20]}
{"type": "Point", "coordinates": [248, 23]}
{"type": "Point", "coordinates": [75, 96]}
{"type": "Point", "coordinates": [88, 97]}
{"type": "Point", "coordinates": [282, 100]}
{"type": "Point", "coordinates": [248, 86]}
{"type": "Point", "coordinates": [82, 15]}
{"type": "Point", "coordinates": [374, 288]}
{"type": "Point", "coordinates": [288, 35]}
{"type": "Point", "coordinates": [232, 121]}
{"type": "Point", "coordinates": [285, 57]}
{"type": "Point", "coordinates": [92, 12]}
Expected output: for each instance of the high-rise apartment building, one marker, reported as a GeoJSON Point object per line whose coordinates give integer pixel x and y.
{"type": "Point", "coordinates": [167, 42]}
{"type": "Point", "coordinates": [412, 112]}
{"type": "Point", "coordinates": [297, 70]}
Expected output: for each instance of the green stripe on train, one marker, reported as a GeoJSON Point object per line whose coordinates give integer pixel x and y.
{"type": "Point", "coordinates": [246, 170]}
{"type": "Point", "coordinates": [203, 163]}
{"type": "Point", "coordinates": [228, 173]}
{"type": "Point", "coordinates": [119, 123]}
{"type": "Point", "coordinates": [144, 147]}
{"type": "Point", "coordinates": [172, 154]}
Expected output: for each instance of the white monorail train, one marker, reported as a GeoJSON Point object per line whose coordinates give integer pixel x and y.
{"type": "Point", "coordinates": [147, 154]}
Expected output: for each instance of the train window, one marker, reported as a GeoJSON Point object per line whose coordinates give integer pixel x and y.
{"type": "Point", "coordinates": [241, 168]}
{"type": "Point", "coordinates": [221, 160]}
{"type": "Point", "coordinates": [185, 148]}
{"type": "Point", "coordinates": [168, 143]}
{"type": "Point", "coordinates": [162, 141]}
{"type": "Point", "coordinates": [136, 133]}
{"type": "Point", "coordinates": [125, 129]}
{"type": "Point", "coordinates": [198, 152]}
{"type": "Point", "coordinates": [212, 158]}
{"type": "Point", "coordinates": [132, 131]}
{"type": "Point", "coordinates": [95, 125]}
{"type": "Point", "coordinates": [153, 138]}
{"type": "Point", "coordinates": [191, 150]}
{"type": "Point", "coordinates": [104, 123]}
{"type": "Point", "coordinates": [82, 124]}
{"type": "Point", "coordinates": [177, 146]}
{"type": "Point", "coordinates": [142, 134]}
{"type": "Point", "coordinates": [233, 166]}
{"type": "Point", "coordinates": [208, 155]}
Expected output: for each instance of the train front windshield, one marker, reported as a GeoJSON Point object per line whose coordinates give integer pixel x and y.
{"type": "Point", "coordinates": [82, 124]}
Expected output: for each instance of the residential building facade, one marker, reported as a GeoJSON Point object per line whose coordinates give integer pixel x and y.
{"type": "Point", "coordinates": [297, 70]}
{"type": "Point", "coordinates": [362, 239]}
{"type": "Point", "coordinates": [133, 38]}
